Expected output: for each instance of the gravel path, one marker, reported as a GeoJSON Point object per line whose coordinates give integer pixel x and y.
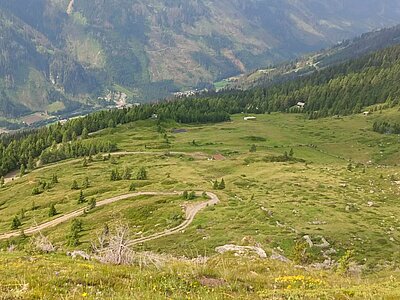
{"type": "Point", "coordinates": [191, 212]}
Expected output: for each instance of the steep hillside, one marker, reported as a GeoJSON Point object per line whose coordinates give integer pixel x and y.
{"type": "Point", "coordinates": [69, 51]}
{"type": "Point", "coordinates": [344, 51]}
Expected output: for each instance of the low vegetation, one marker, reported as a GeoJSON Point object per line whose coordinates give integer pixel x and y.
{"type": "Point", "coordinates": [295, 196]}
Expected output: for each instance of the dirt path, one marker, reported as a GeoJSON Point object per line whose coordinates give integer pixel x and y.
{"type": "Point", "coordinates": [191, 212]}
{"type": "Point", "coordinates": [14, 175]}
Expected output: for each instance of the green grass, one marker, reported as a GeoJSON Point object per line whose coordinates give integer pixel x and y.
{"type": "Point", "coordinates": [21, 277]}
{"type": "Point", "coordinates": [272, 204]}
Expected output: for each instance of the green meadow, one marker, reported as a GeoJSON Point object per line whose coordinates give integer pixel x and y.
{"type": "Point", "coordinates": [338, 181]}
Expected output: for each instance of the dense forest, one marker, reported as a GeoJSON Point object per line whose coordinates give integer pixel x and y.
{"type": "Point", "coordinates": [340, 90]}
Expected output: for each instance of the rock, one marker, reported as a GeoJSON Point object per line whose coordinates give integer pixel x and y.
{"type": "Point", "coordinates": [269, 212]}
{"type": "Point", "coordinates": [370, 203]}
{"type": "Point", "coordinates": [280, 257]}
{"type": "Point", "coordinates": [317, 223]}
{"type": "Point", "coordinates": [79, 253]}
{"type": "Point", "coordinates": [211, 282]}
{"type": "Point", "coordinates": [241, 250]}
{"type": "Point", "coordinates": [308, 240]}
{"type": "Point", "coordinates": [326, 265]}
{"type": "Point", "coordinates": [324, 244]}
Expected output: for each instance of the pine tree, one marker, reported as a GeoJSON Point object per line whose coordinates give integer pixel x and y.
{"type": "Point", "coordinates": [52, 210]}
{"type": "Point", "coordinates": [111, 123]}
{"type": "Point", "coordinates": [86, 183]}
{"type": "Point", "coordinates": [81, 198]}
{"type": "Point", "coordinates": [92, 203]}
{"type": "Point", "coordinates": [31, 164]}
{"type": "Point", "coordinates": [185, 195]}
{"type": "Point", "coordinates": [191, 195]}
{"type": "Point", "coordinates": [16, 223]}
{"type": "Point", "coordinates": [222, 185]}
{"type": "Point", "coordinates": [74, 185]}
{"type": "Point", "coordinates": [85, 133]}
{"type": "Point", "coordinates": [132, 187]}
{"type": "Point", "coordinates": [215, 185]}
{"type": "Point", "coordinates": [54, 179]}
{"type": "Point", "coordinates": [2, 181]}
{"type": "Point", "coordinates": [253, 148]}
{"type": "Point", "coordinates": [22, 170]}
{"type": "Point", "coordinates": [291, 153]}
{"type": "Point", "coordinates": [73, 235]}
{"type": "Point", "coordinates": [35, 191]}
{"type": "Point", "coordinates": [142, 174]}
{"type": "Point", "coordinates": [115, 176]}
{"type": "Point", "coordinates": [127, 174]}
{"type": "Point", "coordinates": [85, 162]}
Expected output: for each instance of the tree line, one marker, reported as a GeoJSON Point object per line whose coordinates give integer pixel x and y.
{"type": "Point", "coordinates": [22, 147]}
{"type": "Point", "coordinates": [339, 90]}
{"type": "Point", "coordinates": [386, 127]}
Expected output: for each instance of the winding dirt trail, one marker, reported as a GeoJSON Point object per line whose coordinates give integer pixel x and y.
{"type": "Point", "coordinates": [191, 211]}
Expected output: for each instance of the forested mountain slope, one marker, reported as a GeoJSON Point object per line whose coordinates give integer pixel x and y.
{"type": "Point", "coordinates": [344, 51]}
{"type": "Point", "coordinates": [58, 54]}
{"type": "Point", "coordinates": [342, 89]}
{"type": "Point", "coordinates": [339, 90]}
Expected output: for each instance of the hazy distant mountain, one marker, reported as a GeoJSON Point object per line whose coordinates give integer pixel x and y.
{"type": "Point", "coordinates": [58, 54]}
{"type": "Point", "coordinates": [310, 63]}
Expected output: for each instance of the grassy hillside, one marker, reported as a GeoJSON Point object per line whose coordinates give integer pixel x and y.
{"type": "Point", "coordinates": [340, 185]}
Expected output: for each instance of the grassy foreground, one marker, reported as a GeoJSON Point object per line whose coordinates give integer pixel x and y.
{"type": "Point", "coordinates": [222, 277]}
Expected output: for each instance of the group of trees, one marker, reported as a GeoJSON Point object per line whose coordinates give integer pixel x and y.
{"type": "Point", "coordinates": [386, 127]}
{"type": "Point", "coordinates": [126, 174]}
{"type": "Point", "coordinates": [219, 185]}
{"type": "Point", "coordinates": [189, 195]}
{"type": "Point", "coordinates": [45, 185]}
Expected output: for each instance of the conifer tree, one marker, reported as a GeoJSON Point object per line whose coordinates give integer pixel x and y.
{"type": "Point", "coordinates": [92, 203]}
{"type": "Point", "coordinates": [30, 165]}
{"type": "Point", "coordinates": [16, 223]}
{"type": "Point", "coordinates": [222, 185]}
{"type": "Point", "coordinates": [52, 210]}
{"type": "Point", "coordinates": [132, 187]}
{"type": "Point", "coordinates": [54, 179]}
{"type": "Point", "coordinates": [142, 174]}
{"type": "Point", "coordinates": [215, 185]}
{"type": "Point", "coordinates": [86, 183]}
{"type": "Point", "coordinates": [22, 170]}
{"type": "Point", "coordinates": [81, 198]}
{"type": "Point", "coordinates": [74, 185]}
{"type": "Point", "coordinates": [85, 162]}
{"type": "Point", "coordinates": [85, 133]}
